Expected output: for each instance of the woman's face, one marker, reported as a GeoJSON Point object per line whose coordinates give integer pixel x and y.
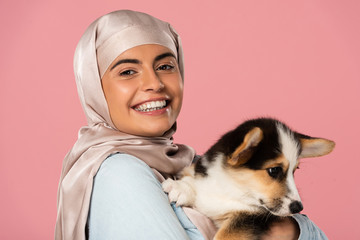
{"type": "Point", "coordinates": [144, 90]}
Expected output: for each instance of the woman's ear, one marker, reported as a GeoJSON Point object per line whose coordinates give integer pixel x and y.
{"type": "Point", "coordinates": [315, 147]}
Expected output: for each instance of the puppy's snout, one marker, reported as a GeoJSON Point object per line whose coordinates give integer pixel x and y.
{"type": "Point", "coordinates": [296, 207]}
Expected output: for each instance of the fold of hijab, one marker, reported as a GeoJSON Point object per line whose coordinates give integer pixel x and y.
{"type": "Point", "coordinates": [102, 42]}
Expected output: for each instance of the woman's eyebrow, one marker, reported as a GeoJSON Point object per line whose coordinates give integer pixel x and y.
{"type": "Point", "coordinates": [125, 61]}
{"type": "Point", "coordinates": [164, 55]}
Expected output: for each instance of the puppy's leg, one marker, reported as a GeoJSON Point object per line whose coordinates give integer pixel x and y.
{"type": "Point", "coordinates": [245, 225]}
{"type": "Point", "coordinates": [182, 192]}
{"type": "Point", "coordinates": [230, 230]}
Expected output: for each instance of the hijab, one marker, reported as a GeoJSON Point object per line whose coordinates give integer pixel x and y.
{"type": "Point", "coordinates": [104, 40]}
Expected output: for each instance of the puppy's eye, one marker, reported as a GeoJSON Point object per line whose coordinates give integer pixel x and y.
{"type": "Point", "coordinates": [274, 172]}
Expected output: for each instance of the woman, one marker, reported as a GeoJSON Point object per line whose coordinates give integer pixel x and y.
{"type": "Point", "coordinates": [129, 73]}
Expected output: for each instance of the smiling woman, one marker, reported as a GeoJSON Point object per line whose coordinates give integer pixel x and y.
{"type": "Point", "coordinates": [144, 89]}
{"type": "Point", "coordinates": [129, 73]}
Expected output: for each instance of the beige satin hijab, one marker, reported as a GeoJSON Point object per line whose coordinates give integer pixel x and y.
{"type": "Point", "coordinates": [102, 42]}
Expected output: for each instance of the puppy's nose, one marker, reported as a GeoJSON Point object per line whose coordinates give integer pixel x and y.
{"type": "Point", "coordinates": [296, 207]}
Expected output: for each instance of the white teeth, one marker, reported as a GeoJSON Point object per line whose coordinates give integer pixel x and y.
{"type": "Point", "coordinates": [151, 106]}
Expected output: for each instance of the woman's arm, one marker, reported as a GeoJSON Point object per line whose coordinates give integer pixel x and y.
{"type": "Point", "coordinates": [308, 229]}
{"type": "Point", "coordinates": [128, 203]}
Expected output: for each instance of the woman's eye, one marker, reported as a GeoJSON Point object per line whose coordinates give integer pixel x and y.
{"type": "Point", "coordinates": [127, 73]}
{"type": "Point", "coordinates": [165, 67]}
{"type": "Point", "coordinates": [275, 172]}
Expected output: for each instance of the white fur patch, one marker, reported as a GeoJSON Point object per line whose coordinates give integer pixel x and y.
{"type": "Point", "coordinates": [289, 146]}
{"type": "Point", "coordinates": [218, 194]}
{"type": "Point", "coordinates": [290, 149]}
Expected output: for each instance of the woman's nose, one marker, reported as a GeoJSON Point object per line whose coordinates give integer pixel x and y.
{"type": "Point", "coordinates": [151, 81]}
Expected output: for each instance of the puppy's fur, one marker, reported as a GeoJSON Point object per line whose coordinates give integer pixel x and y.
{"type": "Point", "coordinates": [245, 181]}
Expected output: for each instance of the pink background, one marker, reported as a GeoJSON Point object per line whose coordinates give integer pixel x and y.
{"type": "Point", "coordinates": [298, 61]}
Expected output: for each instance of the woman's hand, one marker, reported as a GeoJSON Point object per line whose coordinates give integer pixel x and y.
{"type": "Point", "coordinates": [286, 228]}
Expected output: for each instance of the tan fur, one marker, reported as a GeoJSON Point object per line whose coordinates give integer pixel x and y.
{"type": "Point", "coordinates": [188, 171]}
{"type": "Point", "coordinates": [259, 181]}
{"type": "Point", "coordinates": [280, 161]}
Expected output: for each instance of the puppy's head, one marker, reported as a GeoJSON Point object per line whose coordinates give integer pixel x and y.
{"type": "Point", "coordinates": [264, 161]}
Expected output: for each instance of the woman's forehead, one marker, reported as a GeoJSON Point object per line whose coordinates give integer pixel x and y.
{"type": "Point", "coordinates": [146, 50]}
{"type": "Point", "coordinates": [128, 39]}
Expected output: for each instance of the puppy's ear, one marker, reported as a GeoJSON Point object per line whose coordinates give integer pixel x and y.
{"type": "Point", "coordinates": [315, 147]}
{"type": "Point", "coordinates": [244, 152]}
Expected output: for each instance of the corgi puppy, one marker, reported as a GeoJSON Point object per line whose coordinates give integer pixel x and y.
{"type": "Point", "coordinates": [245, 181]}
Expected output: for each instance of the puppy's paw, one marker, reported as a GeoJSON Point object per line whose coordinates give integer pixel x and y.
{"type": "Point", "coordinates": [179, 192]}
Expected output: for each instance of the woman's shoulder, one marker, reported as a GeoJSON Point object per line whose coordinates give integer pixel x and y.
{"type": "Point", "coordinates": [118, 164]}
{"type": "Point", "coordinates": [119, 156]}
{"type": "Point", "coordinates": [121, 174]}
{"type": "Point", "coordinates": [121, 159]}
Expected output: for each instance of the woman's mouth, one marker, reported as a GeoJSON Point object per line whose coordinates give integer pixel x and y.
{"type": "Point", "coordinates": [151, 106]}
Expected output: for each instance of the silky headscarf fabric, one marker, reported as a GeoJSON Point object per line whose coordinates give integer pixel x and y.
{"type": "Point", "coordinates": [102, 42]}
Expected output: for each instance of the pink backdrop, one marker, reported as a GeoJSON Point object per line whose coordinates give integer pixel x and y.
{"type": "Point", "coordinates": [296, 60]}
